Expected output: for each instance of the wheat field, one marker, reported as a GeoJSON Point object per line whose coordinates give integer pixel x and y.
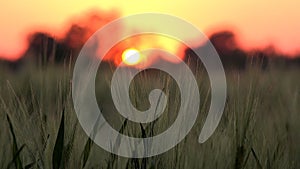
{"type": "Point", "coordinates": [259, 127]}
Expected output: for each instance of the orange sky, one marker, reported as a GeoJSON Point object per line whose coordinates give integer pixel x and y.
{"type": "Point", "coordinates": [258, 23]}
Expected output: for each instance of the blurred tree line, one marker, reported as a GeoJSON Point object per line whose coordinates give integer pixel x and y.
{"type": "Point", "coordinates": [45, 49]}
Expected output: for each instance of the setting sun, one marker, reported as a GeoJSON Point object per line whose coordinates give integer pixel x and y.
{"type": "Point", "coordinates": [131, 56]}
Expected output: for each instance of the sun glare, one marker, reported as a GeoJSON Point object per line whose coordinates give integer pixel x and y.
{"type": "Point", "coordinates": [131, 56]}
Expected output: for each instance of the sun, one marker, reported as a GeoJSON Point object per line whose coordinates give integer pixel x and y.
{"type": "Point", "coordinates": [131, 56]}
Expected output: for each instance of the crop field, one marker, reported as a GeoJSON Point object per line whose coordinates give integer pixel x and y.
{"type": "Point", "coordinates": [259, 127]}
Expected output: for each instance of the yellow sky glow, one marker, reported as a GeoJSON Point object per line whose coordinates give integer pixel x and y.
{"type": "Point", "coordinates": [258, 23]}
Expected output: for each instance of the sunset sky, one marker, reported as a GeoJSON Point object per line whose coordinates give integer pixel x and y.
{"type": "Point", "coordinates": [257, 23]}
